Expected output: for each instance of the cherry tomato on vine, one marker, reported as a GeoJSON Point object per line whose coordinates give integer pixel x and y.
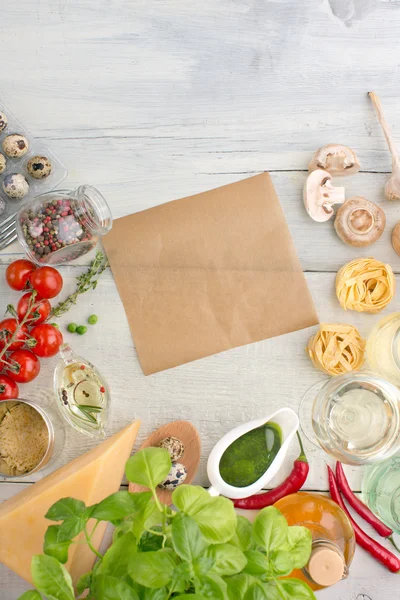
{"type": "Point", "coordinates": [17, 274]}
{"type": "Point", "coordinates": [41, 308]}
{"type": "Point", "coordinates": [8, 388]}
{"type": "Point", "coordinates": [24, 366]}
{"type": "Point", "coordinates": [46, 281]}
{"type": "Point", "coordinates": [48, 340]}
{"type": "Point", "coordinates": [10, 325]}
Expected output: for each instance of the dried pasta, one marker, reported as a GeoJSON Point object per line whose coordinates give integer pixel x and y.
{"type": "Point", "coordinates": [337, 349]}
{"type": "Point", "coordinates": [365, 285]}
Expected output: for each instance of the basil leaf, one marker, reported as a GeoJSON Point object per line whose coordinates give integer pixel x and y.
{"type": "Point", "coordinates": [243, 537]}
{"type": "Point", "coordinates": [202, 565]}
{"type": "Point", "coordinates": [150, 594]}
{"type": "Point", "coordinates": [228, 559]}
{"type": "Point", "coordinates": [148, 467]}
{"type": "Point", "coordinates": [238, 585]}
{"type": "Point", "coordinates": [181, 577]}
{"type": "Point", "coordinates": [65, 509]}
{"type": "Point", "coordinates": [115, 507]}
{"type": "Point", "coordinates": [152, 569]}
{"type": "Point", "coordinates": [53, 546]}
{"type": "Point", "coordinates": [282, 563]}
{"type": "Point", "coordinates": [84, 582]}
{"type": "Point", "coordinates": [119, 556]}
{"type": "Point", "coordinates": [210, 587]}
{"type": "Point", "coordinates": [187, 540]}
{"type": "Point", "coordinates": [71, 527]}
{"type": "Point", "coordinates": [30, 595]}
{"type": "Point", "coordinates": [111, 588]}
{"type": "Point", "coordinates": [51, 578]}
{"type": "Point", "coordinates": [260, 591]}
{"type": "Point", "coordinates": [215, 516]}
{"type": "Point", "coordinates": [270, 529]}
{"type": "Point", "coordinates": [191, 597]}
{"type": "Point", "coordinates": [150, 541]}
{"type": "Point", "coordinates": [299, 541]}
{"type": "Point", "coordinates": [294, 588]}
{"type": "Point", "coordinates": [257, 563]}
{"type": "Point", "coordinates": [144, 515]}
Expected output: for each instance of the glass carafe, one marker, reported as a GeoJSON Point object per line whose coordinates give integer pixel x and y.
{"type": "Point", "coordinates": [381, 491]}
{"type": "Point", "coordinates": [354, 417]}
{"type": "Point", "coordinates": [333, 540]}
{"type": "Point", "coordinates": [383, 348]}
{"type": "Point", "coordinates": [82, 393]}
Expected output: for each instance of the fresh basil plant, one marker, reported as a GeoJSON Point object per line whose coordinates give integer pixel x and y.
{"type": "Point", "coordinates": [200, 550]}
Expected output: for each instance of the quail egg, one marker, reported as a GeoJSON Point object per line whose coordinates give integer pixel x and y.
{"type": "Point", "coordinates": [15, 186]}
{"type": "Point", "coordinates": [39, 167]}
{"type": "Point", "coordinates": [174, 446]}
{"type": "Point", "coordinates": [15, 145]}
{"type": "Point", "coordinates": [175, 477]}
{"type": "Point", "coordinates": [2, 206]}
{"type": "Point", "coordinates": [3, 121]}
{"type": "Point", "coordinates": [3, 163]}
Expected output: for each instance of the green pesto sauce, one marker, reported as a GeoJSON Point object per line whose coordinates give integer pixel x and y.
{"type": "Point", "coordinates": [248, 457]}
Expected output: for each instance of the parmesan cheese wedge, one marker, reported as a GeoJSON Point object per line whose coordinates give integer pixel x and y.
{"type": "Point", "coordinates": [90, 478]}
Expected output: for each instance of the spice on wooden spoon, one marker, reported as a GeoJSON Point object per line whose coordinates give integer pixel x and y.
{"type": "Point", "coordinates": [392, 187]}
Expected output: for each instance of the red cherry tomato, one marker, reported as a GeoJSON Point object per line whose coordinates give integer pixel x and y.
{"type": "Point", "coordinates": [39, 313]}
{"type": "Point", "coordinates": [25, 366]}
{"type": "Point", "coordinates": [8, 388]}
{"type": "Point", "coordinates": [17, 274]}
{"type": "Point", "coordinates": [46, 281]}
{"type": "Point", "coordinates": [48, 340]}
{"type": "Point", "coordinates": [10, 325]}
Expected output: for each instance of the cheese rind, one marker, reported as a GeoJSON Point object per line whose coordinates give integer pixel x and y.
{"type": "Point", "coordinates": [90, 478]}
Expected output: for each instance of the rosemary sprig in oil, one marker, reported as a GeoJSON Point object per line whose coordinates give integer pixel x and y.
{"type": "Point", "coordinates": [86, 281]}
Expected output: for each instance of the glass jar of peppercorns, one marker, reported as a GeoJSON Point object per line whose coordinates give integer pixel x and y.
{"type": "Point", "coordinates": [60, 226]}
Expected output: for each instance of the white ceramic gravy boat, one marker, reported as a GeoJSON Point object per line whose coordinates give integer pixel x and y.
{"type": "Point", "coordinates": [287, 420]}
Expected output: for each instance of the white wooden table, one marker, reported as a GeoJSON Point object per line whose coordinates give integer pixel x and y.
{"type": "Point", "coordinates": [151, 100]}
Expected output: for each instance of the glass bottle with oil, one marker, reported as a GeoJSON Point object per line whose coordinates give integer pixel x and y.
{"type": "Point", "coordinates": [82, 393]}
{"type": "Point", "coordinates": [333, 541]}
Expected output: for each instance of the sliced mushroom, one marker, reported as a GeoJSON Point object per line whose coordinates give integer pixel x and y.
{"type": "Point", "coordinates": [319, 195]}
{"type": "Point", "coordinates": [360, 222]}
{"type": "Point", "coordinates": [396, 238]}
{"type": "Point", "coordinates": [336, 159]}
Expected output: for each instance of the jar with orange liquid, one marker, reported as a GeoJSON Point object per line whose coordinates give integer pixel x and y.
{"type": "Point", "coordinates": [333, 538]}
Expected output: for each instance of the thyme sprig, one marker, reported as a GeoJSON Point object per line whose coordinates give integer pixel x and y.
{"type": "Point", "coordinates": [86, 281]}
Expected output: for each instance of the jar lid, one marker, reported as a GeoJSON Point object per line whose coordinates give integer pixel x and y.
{"type": "Point", "coordinates": [326, 566]}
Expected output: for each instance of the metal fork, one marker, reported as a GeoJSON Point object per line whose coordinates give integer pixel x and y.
{"type": "Point", "coordinates": [8, 231]}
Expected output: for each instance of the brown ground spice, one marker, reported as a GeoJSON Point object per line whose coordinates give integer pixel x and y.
{"type": "Point", "coordinates": [24, 438]}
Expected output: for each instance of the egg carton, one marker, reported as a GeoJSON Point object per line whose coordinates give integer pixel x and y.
{"type": "Point", "coordinates": [19, 165]}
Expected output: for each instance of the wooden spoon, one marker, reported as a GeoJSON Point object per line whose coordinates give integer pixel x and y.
{"type": "Point", "coordinates": [189, 436]}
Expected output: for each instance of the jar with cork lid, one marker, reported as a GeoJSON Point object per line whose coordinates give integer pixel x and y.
{"type": "Point", "coordinates": [333, 540]}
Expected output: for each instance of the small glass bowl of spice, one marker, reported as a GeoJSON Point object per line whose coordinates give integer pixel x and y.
{"type": "Point", "coordinates": [60, 226]}
{"type": "Point", "coordinates": [27, 438]}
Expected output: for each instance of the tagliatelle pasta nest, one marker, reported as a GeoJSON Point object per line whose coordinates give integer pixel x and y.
{"type": "Point", "coordinates": [337, 349]}
{"type": "Point", "coordinates": [365, 285]}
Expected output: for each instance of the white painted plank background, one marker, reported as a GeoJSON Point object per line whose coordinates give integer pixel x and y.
{"type": "Point", "coordinates": [151, 100]}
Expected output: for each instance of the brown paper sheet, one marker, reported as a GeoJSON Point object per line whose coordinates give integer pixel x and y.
{"type": "Point", "coordinates": [208, 273]}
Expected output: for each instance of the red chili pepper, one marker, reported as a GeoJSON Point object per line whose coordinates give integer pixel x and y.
{"type": "Point", "coordinates": [292, 484]}
{"type": "Point", "coordinates": [384, 556]}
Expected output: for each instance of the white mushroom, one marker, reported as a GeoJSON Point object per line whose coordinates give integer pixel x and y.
{"type": "Point", "coordinates": [396, 238]}
{"type": "Point", "coordinates": [392, 187]}
{"type": "Point", "coordinates": [319, 195]}
{"type": "Point", "coordinates": [360, 222]}
{"type": "Point", "coordinates": [336, 159]}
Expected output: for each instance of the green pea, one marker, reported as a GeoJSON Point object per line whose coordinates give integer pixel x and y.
{"type": "Point", "coordinates": [55, 325]}
{"type": "Point", "coordinates": [81, 329]}
{"type": "Point", "coordinates": [72, 327]}
{"type": "Point", "coordinates": [92, 320]}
